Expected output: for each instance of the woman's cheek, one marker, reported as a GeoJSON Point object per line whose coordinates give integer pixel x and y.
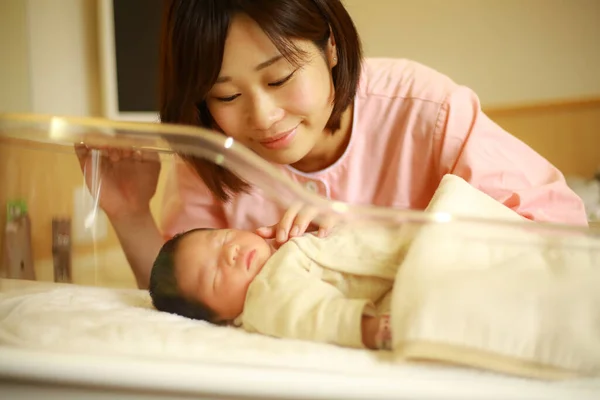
{"type": "Point", "coordinates": [303, 98]}
{"type": "Point", "coordinates": [226, 118]}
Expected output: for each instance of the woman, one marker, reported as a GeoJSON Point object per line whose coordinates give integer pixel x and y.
{"type": "Point", "coordinates": [286, 78]}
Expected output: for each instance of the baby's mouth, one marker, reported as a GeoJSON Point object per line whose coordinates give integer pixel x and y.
{"type": "Point", "coordinates": [250, 258]}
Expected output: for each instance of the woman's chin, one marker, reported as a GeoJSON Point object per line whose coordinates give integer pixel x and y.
{"type": "Point", "coordinates": [284, 157]}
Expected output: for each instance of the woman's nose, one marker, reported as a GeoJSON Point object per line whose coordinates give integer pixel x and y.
{"type": "Point", "coordinates": [264, 112]}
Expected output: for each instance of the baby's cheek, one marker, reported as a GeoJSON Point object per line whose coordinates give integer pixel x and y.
{"type": "Point", "coordinates": [240, 290]}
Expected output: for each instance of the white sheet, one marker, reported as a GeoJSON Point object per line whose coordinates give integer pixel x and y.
{"type": "Point", "coordinates": [113, 337]}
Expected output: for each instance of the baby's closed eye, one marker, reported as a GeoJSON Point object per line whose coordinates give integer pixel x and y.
{"type": "Point", "coordinates": [216, 276]}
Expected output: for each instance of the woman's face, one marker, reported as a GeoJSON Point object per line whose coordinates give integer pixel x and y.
{"type": "Point", "coordinates": [268, 104]}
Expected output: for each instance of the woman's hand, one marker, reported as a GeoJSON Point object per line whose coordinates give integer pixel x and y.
{"type": "Point", "coordinates": [296, 221]}
{"type": "Point", "coordinates": [127, 179]}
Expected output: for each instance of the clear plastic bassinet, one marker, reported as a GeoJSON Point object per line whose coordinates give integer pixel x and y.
{"type": "Point", "coordinates": [66, 237]}
{"type": "Point", "coordinates": [55, 232]}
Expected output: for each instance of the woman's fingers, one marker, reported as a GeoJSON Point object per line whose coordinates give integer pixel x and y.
{"type": "Point", "coordinates": [126, 153]}
{"type": "Point", "coordinates": [266, 232]}
{"type": "Point", "coordinates": [303, 219]}
{"type": "Point", "coordinates": [113, 154]}
{"type": "Point", "coordinates": [326, 224]}
{"type": "Point", "coordinates": [296, 221]}
{"type": "Point", "coordinates": [149, 156]}
{"type": "Point", "coordinates": [281, 230]}
{"type": "Point", "coordinates": [285, 225]}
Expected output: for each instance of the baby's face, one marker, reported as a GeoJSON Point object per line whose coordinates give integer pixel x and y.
{"type": "Point", "coordinates": [217, 266]}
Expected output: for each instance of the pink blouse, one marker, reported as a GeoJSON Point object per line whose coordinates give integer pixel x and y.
{"type": "Point", "coordinates": [411, 126]}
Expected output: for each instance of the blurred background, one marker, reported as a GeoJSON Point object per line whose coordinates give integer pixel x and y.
{"type": "Point", "coordinates": [534, 63]}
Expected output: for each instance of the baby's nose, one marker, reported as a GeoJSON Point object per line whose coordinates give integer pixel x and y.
{"type": "Point", "coordinates": [231, 253]}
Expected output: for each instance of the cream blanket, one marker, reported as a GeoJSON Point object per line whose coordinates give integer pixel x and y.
{"type": "Point", "coordinates": [505, 298]}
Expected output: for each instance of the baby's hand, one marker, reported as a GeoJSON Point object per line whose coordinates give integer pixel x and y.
{"type": "Point", "coordinates": [297, 220]}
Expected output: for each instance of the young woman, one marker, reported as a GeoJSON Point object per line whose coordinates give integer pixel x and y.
{"type": "Point", "coordinates": [287, 79]}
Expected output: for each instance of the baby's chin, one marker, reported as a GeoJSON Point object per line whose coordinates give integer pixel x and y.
{"type": "Point", "coordinates": [237, 320]}
{"type": "Point", "coordinates": [232, 315]}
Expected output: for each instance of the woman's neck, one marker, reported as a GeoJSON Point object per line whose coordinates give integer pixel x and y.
{"type": "Point", "coordinates": [330, 148]}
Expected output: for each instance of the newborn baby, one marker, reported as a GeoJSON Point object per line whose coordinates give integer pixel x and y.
{"type": "Point", "coordinates": [498, 297]}
{"type": "Point", "coordinates": [331, 289]}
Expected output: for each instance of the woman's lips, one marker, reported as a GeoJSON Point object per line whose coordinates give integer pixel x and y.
{"type": "Point", "coordinates": [250, 258]}
{"type": "Point", "coordinates": [280, 140]}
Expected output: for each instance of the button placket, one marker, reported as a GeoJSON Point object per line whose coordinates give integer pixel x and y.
{"type": "Point", "coordinates": [312, 186]}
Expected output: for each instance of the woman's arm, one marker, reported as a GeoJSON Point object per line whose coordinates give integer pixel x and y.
{"type": "Point", "coordinates": [475, 148]}
{"type": "Point", "coordinates": [141, 241]}
{"type": "Point", "coordinates": [128, 181]}
{"type": "Point", "coordinates": [186, 204]}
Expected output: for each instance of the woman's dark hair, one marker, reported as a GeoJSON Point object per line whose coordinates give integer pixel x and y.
{"type": "Point", "coordinates": [164, 289]}
{"type": "Point", "coordinates": [193, 41]}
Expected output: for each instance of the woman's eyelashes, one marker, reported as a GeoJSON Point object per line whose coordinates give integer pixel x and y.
{"type": "Point", "coordinates": [228, 99]}
{"type": "Point", "coordinates": [282, 81]}
{"type": "Point", "coordinates": [277, 83]}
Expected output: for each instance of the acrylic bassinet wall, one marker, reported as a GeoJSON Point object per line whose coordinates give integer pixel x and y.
{"type": "Point", "coordinates": [42, 171]}
{"type": "Point", "coordinates": [39, 168]}
{"type": "Point", "coordinates": [49, 179]}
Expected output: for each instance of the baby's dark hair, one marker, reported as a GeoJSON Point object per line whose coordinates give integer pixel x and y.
{"type": "Point", "coordinates": [164, 289]}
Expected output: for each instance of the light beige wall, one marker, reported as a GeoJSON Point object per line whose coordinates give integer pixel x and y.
{"type": "Point", "coordinates": [14, 53]}
{"type": "Point", "coordinates": [567, 134]}
{"type": "Point", "coordinates": [64, 58]}
{"type": "Point", "coordinates": [509, 51]}
{"type": "Point", "coordinates": [51, 46]}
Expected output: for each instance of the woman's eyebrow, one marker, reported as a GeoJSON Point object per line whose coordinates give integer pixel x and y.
{"type": "Point", "coordinates": [263, 65]}
{"type": "Point", "coordinates": [268, 63]}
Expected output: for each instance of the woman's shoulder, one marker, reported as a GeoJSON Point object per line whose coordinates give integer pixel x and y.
{"type": "Point", "coordinates": [400, 78]}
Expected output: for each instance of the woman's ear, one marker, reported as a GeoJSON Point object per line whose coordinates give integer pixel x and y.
{"type": "Point", "coordinates": [332, 58]}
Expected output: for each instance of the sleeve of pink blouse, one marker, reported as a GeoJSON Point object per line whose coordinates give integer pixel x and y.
{"type": "Point", "coordinates": [475, 148]}
{"type": "Point", "coordinates": [188, 203]}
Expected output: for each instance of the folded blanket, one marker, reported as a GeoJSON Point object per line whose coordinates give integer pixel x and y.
{"type": "Point", "coordinates": [499, 297]}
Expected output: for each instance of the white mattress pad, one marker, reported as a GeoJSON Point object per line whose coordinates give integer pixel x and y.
{"type": "Point", "coordinates": [114, 337]}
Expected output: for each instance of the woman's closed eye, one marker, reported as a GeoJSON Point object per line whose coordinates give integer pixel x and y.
{"type": "Point", "coordinates": [227, 99]}
{"type": "Point", "coordinates": [282, 81]}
